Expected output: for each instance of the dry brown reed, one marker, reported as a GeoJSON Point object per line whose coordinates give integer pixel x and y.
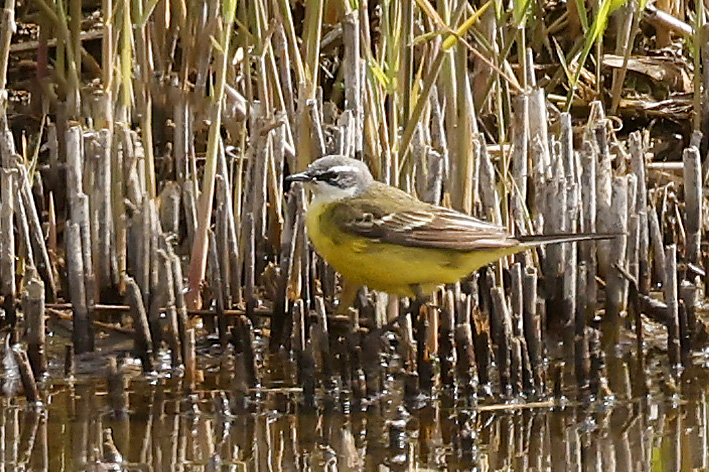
{"type": "Point", "coordinates": [163, 152]}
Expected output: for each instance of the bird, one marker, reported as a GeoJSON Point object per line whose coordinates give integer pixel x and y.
{"type": "Point", "coordinates": [380, 236]}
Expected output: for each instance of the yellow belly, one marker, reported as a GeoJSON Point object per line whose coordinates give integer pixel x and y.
{"type": "Point", "coordinates": [393, 268]}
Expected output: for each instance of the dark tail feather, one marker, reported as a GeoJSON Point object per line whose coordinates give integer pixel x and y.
{"type": "Point", "coordinates": [536, 240]}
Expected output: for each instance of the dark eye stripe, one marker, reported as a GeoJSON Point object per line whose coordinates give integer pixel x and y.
{"type": "Point", "coordinates": [330, 177]}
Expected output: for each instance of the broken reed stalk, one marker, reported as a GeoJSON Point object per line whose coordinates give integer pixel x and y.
{"type": "Point", "coordinates": [488, 188]}
{"type": "Point", "coordinates": [170, 208]}
{"type": "Point", "coordinates": [282, 323]}
{"type": "Point", "coordinates": [217, 290]}
{"type": "Point", "coordinates": [693, 202]}
{"type": "Point", "coordinates": [616, 284]}
{"type": "Point", "coordinates": [587, 249]}
{"type": "Point", "coordinates": [523, 377]}
{"type": "Point", "coordinates": [249, 264]}
{"type": "Point", "coordinates": [670, 289]}
{"type": "Point", "coordinates": [569, 271]}
{"type": "Point", "coordinates": [638, 168]}
{"type": "Point", "coordinates": [143, 341]}
{"type": "Point", "coordinates": [306, 372]}
{"type": "Point", "coordinates": [223, 251]}
{"type": "Point", "coordinates": [33, 308]}
{"type": "Point", "coordinates": [502, 338]}
{"type": "Point", "coordinates": [180, 306]}
{"type": "Point", "coordinates": [554, 213]}
{"type": "Point", "coordinates": [541, 159]}
{"type": "Point", "coordinates": [581, 365]}
{"type": "Point", "coordinates": [7, 241]}
{"type": "Point", "coordinates": [171, 317]}
{"type": "Point", "coordinates": [82, 336]}
{"type": "Point", "coordinates": [38, 244]}
{"type": "Point", "coordinates": [465, 349]}
{"type": "Point", "coordinates": [23, 231]}
{"type": "Point", "coordinates": [604, 194]}
{"type": "Point", "coordinates": [320, 147]}
{"type": "Point", "coordinates": [232, 270]}
{"type": "Point", "coordinates": [633, 235]}
{"type": "Point", "coordinates": [446, 333]}
{"type": "Point", "coordinates": [519, 161]}
{"type": "Point", "coordinates": [533, 327]}
{"type": "Point", "coordinates": [689, 295]}
{"type": "Point", "coordinates": [153, 295]}
{"type": "Point", "coordinates": [103, 216]}
{"type": "Point", "coordinates": [189, 200]}
{"type": "Point", "coordinates": [82, 218]}
{"type": "Point", "coordinates": [74, 169]}
{"type": "Point", "coordinates": [615, 221]}
{"type": "Point", "coordinates": [640, 380]}
{"type": "Point", "coordinates": [118, 204]}
{"type": "Point", "coordinates": [353, 77]}
{"type": "Point", "coordinates": [256, 181]}
{"type": "Point", "coordinates": [657, 243]}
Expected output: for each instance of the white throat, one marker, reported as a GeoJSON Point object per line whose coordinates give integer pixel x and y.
{"type": "Point", "coordinates": [324, 193]}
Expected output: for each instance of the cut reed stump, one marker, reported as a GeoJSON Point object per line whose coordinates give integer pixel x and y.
{"type": "Point", "coordinates": [83, 336]}
{"type": "Point", "coordinates": [446, 333]}
{"type": "Point", "coordinates": [7, 241]}
{"type": "Point", "coordinates": [693, 202]}
{"type": "Point", "coordinates": [180, 306]}
{"type": "Point", "coordinates": [164, 262]}
{"type": "Point", "coordinates": [33, 308]}
{"type": "Point", "coordinates": [672, 301]}
{"type": "Point", "coordinates": [142, 340]}
{"type": "Point", "coordinates": [465, 344]}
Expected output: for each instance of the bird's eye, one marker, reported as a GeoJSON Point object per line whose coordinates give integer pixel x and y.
{"type": "Point", "coordinates": [329, 177]}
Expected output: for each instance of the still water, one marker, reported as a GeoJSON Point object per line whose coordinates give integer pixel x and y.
{"type": "Point", "coordinates": [162, 429]}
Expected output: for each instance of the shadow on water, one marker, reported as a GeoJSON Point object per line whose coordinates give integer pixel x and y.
{"type": "Point", "coordinates": [79, 429]}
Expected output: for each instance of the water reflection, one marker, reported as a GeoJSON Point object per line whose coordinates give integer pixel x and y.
{"type": "Point", "coordinates": [78, 430]}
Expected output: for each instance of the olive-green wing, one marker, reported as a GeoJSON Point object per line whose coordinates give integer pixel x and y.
{"type": "Point", "coordinates": [423, 226]}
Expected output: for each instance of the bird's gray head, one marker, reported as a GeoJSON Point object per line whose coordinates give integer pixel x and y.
{"type": "Point", "coordinates": [335, 177]}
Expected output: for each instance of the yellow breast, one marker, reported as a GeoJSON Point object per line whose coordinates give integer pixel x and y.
{"type": "Point", "coordinates": [389, 267]}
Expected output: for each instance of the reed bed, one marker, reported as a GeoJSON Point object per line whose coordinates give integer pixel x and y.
{"type": "Point", "coordinates": [144, 175]}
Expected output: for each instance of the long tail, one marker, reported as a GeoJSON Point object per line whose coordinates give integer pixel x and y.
{"type": "Point", "coordinates": [537, 240]}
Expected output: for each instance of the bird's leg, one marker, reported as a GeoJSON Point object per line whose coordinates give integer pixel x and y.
{"type": "Point", "coordinates": [417, 302]}
{"type": "Point", "coordinates": [347, 296]}
{"type": "Point", "coordinates": [414, 308]}
{"type": "Point", "coordinates": [421, 299]}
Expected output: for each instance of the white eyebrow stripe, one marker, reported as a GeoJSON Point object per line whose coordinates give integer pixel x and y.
{"type": "Point", "coordinates": [343, 168]}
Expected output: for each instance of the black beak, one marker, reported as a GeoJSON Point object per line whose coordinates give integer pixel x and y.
{"type": "Point", "coordinates": [300, 177]}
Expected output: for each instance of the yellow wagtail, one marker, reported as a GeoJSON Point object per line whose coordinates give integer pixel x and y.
{"type": "Point", "coordinates": [382, 237]}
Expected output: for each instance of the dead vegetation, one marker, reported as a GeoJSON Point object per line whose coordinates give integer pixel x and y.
{"type": "Point", "coordinates": [144, 146]}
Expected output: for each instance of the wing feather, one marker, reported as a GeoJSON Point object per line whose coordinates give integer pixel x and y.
{"type": "Point", "coordinates": [427, 226]}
